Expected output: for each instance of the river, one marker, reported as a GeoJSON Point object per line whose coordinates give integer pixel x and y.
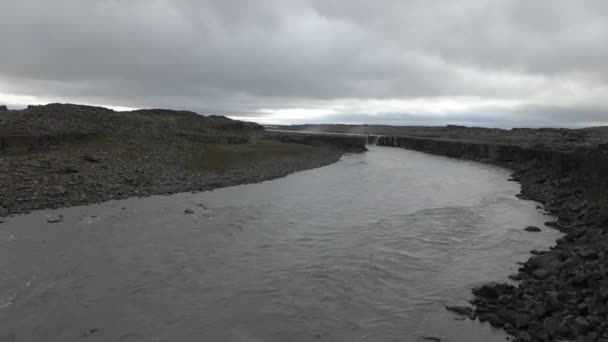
{"type": "Point", "coordinates": [367, 249]}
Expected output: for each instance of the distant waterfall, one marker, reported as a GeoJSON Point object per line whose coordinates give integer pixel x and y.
{"type": "Point", "coordinates": [371, 139]}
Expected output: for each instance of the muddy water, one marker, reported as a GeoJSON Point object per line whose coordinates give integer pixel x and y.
{"type": "Point", "coordinates": [367, 249]}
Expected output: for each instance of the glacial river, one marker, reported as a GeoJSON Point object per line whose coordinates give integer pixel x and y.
{"type": "Point", "coordinates": [367, 249]}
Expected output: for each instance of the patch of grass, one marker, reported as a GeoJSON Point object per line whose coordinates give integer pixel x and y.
{"type": "Point", "coordinates": [218, 157]}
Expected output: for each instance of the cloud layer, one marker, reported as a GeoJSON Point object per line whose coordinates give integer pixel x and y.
{"type": "Point", "coordinates": [491, 62]}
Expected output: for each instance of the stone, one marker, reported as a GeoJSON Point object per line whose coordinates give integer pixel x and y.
{"type": "Point", "coordinates": [552, 224]}
{"type": "Point", "coordinates": [515, 276]}
{"type": "Point", "coordinates": [516, 319]}
{"type": "Point", "coordinates": [70, 170]}
{"type": "Point", "coordinates": [588, 254]}
{"type": "Point", "coordinates": [55, 220]}
{"type": "Point", "coordinates": [547, 260]}
{"type": "Point", "coordinates": [532, 229]}
{"type": "Point", "coordinates": [492, 290]}
{"type": "Point", "coordinates": [581, 321]}
{"type": "Point", "coordinates": [189, 211]}
{"type": "Point", "coordinates": [524, 336]}
{"type": "Point", "coordinates": [90, 158]}
{"type": "Point", "coordinates": [462, 310]}
{"type": "Point", "coordinates": [553, 326]}
{"type": "Point", "coordinates": [494, 320]}
{"type": "Point", "coordinates": [3, 211]}
{"type": "Point", "coordinates": [60, 189]}
{"type": "Point", "coordinates": [541, 273]}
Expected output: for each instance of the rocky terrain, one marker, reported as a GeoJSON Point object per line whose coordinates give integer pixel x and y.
{"type": "Point", "coordinates": [62, 155]}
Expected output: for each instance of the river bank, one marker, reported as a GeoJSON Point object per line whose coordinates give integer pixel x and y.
{"type": "Point", "coordinates": [64, 155]}
{"type": "Point", "coordinates": [563, 292]}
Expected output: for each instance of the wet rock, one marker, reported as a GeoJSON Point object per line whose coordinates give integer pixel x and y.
{"type": "Point", "coordinates": [515, 276]}
{"type": "Point", "coordinates": [532, 229]}
{"type": "Point", "coordinates": [70, 170]}
{"type": "Point", "coordinates": [524, 336]}
{"type": "Point", "coordinates": [553, 326]}
{"type": "Point", "coordinates": [189, 211]}
{"type": "Point", "coordinates": [541, 273]}
{"type": "Point", "coordinates": [492, 290]}
{"type": "Point", "coordinates": [588, 254]}
{"type": "Point", "coordinates": [547, 261]}
{"type": "Point", "coordinates": [552, 224]}
{"type": "Point", "coordinates": [91, 158]}
{"type": "Point", "coordinates": [493, 319]}
{"type": "Point", "coordinates": [514, 318]}
{"type": "Point", "coordinates": [462, 310]}
{"type": "Point", "coordinates": [61, 190]}
{"type": "Point", "coordinates": [55, 219]}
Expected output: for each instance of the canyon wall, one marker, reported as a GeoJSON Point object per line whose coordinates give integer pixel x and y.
{"type": "Point", "coordinates": [590, 167]}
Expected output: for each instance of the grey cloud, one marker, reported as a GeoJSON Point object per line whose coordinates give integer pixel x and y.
{"type": "Point", "coordinates": [229, 56]}
{"type": "Point", "coordinates": [525, 116]}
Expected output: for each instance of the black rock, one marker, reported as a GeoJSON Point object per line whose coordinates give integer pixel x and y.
{"type": "Point", "coordinates": [532, 229]}
{"type": "Point", "coordinates": [189, 211]}
{"type": "Point", "coordinates": [494, 320]}
{"type": "Point", "coordinates": [55, 220]}
{"type": "Point", "coordinates": [492, 290]}
{"type": "Point", "coordinates": [90, 158]}
{"type": "Point", "coordinates": [541, 273]}
{"type": "Point", "coordinates": [462, 310]}
{"type": "Point", "coordinates": [70, 169]}
{"type": "Point", "coordinates": [515, 276]}
{"type": "Point", "coordinates": [552, 224]}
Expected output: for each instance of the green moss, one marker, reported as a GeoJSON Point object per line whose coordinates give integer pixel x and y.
{"type": "Point", "coordinates": [215, 156]}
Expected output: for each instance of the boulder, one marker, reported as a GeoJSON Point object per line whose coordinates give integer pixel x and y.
{"type": "Point", "coordinates": [462, 310]}
{"type": "Point", "coordinates": [547, 261]}
{"type": "Point", "coordinates": [90, 158]}
{"type": "Point", "coordinates": [492, 290]}
{"type": "Point", "coordinates": [55, 220]}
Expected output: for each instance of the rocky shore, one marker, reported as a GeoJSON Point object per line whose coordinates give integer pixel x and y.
{"type": "Point", "coordinates": [63, 155]}
{"type": "Point", "coordinates": [561, 294]}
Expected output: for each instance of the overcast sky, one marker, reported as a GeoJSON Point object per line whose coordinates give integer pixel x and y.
{"type": "Point", "coordinates": [479, 62]}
